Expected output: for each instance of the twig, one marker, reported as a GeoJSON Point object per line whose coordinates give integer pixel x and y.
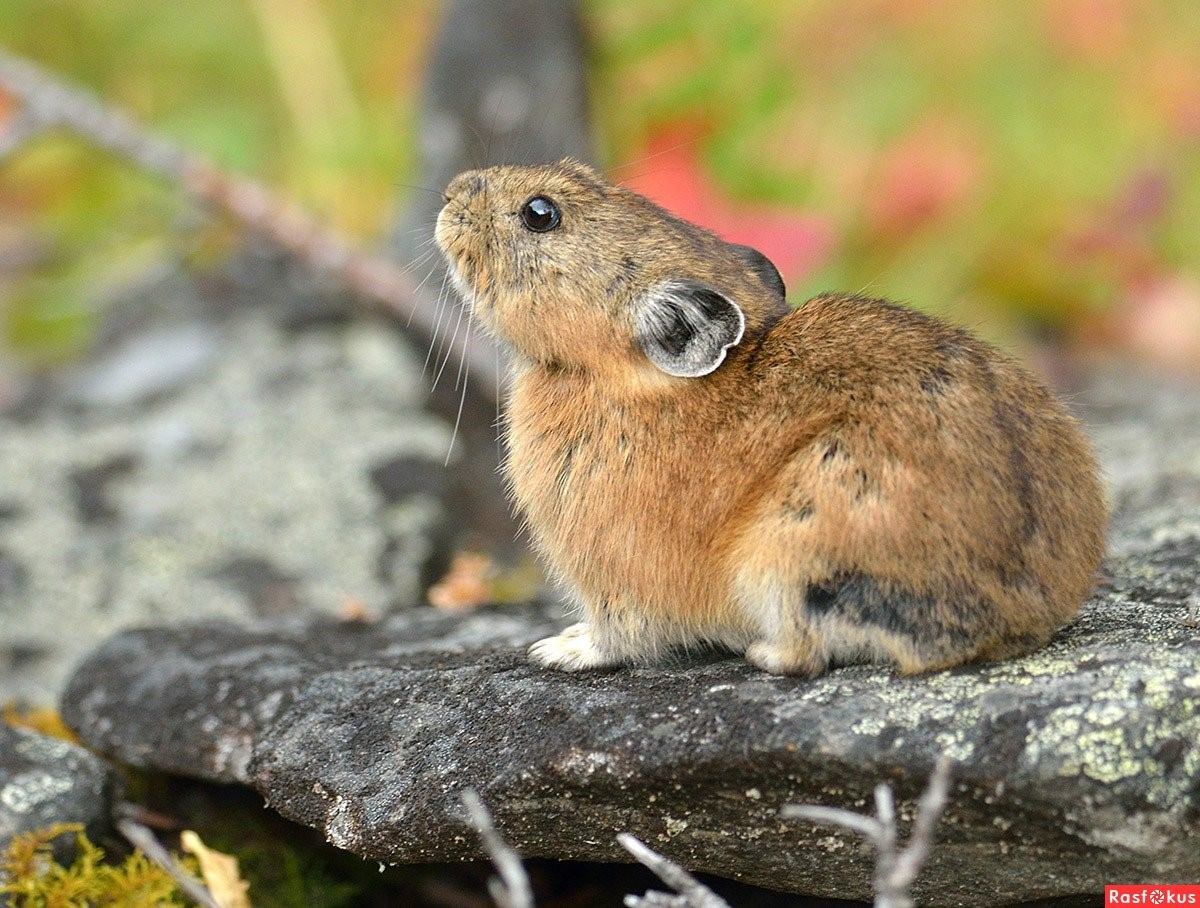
{"type": "Point", "coordinates": [511, 889]}
{"type": "Point", "coordinates": [895, 868]}
{"type": "Point", "coordinates": [141, 838]}
{"type": "Point", "coordinates": [691, 892]}
{"type": "Point", "coordinates": [49, 103]}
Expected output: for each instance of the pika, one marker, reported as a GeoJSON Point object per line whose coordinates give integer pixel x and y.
{"type": "Point", "coordinates": [701, 464]}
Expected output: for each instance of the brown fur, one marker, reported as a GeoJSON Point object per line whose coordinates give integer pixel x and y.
{"type": "Point", "coordinates": [855, 481]}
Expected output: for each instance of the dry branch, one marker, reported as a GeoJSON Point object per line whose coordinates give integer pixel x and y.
{"type": "Point", "coordinates": [691, 892]}
{"type": "Point", "coordinates": [511, 889]}
{"type": "Point", "coordinates": [20, 130]}
{"type": "Point", "coordinates": [141, 838]}
{"type": "Point", "coordinates": [48, 103]}
{"type": "Point", "coordinates": [895, 867]}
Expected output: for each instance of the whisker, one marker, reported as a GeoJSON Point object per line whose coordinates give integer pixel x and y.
{"type": "Point", "coordinates": [424, 259]}
{"type": "Point", "coordinates": [417, 262]}
{"type": "Point", "coordinates": [465, 347]}
{"type": "Point", "coordinates": [496, 426]}
{"type": "Point", "coordinates": [463, 364]}
{"type": "Point", "coordinates": [424, 226]}
{"type": "Point", "coordinates": [437, 322]}
{"type": "Point", "coordinates": [448, 348]}
{"type": "Point", "coordinates": [417, 290]}
{"type": "Point", "coordinates": [631, 172]}
{"type": "Point", "coordinates": [436, 192]}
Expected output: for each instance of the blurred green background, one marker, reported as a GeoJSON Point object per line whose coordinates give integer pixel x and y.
{"type": "Point", "coordinates": [1031, 169]}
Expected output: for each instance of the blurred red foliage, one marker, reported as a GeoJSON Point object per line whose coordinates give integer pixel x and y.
{"type": "Point", "coordinates": [671, 173]}
{"type": "Point", "coordinates": [926, 175]}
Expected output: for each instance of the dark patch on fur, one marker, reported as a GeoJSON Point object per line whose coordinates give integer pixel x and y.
{"type": "Point", "coordinates": [1013, 573]}
{"type": "Point", "coordinates": [933, 624]}
{"type": "Point", "coordinates": [833, 451]}
{"type": "Point", "coordinates": [711, 303]}
{"type": "Point", "coordinates": [625, 276]}
{"type": "Point", "coordinates": [799, 509]}
{"type": "Point", "coordinates": [1014, 424]}
{"type": "Point", "coordinates": [626, 451]}
{"type": "Point", "coordinates": [1014, 430]}
{"type": "Point", "coordinates": [863, 485]}
{"type": "Point", "coordinates": [952, 344]}
{"type": "Point", "coordinates": [936, 380]}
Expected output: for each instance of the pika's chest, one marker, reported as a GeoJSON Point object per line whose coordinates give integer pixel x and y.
{"type": "Point", "coordinates": [612, 496]}
{"type": "Point", "coordinates": [582, 474]}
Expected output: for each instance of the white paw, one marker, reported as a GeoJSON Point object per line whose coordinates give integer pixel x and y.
{"type": "Point", "coordinates": [571, 651]}
{"type": "Point", "coordinates": [777, 659]}
{"type": "Point", "coordinates": [765, 656]}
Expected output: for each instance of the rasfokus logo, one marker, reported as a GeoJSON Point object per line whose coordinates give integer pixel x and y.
{"type": "Point", "coordinates": [1152, 894]}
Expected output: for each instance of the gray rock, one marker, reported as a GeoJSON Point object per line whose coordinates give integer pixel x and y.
{"type": "Point", "coordinates": [246, 491]}
{"type": "Point", "coordinates": [1077, 765]}
{"type": "Point", "coordinates": [44, 781]}
{"type": "Point", "coordinates": [146, 366]}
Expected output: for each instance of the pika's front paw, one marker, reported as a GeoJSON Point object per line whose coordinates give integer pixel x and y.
{"type": "Point", "coordinates": [573, 650]}
{"type": "Point", "coordinates": [785, 659]}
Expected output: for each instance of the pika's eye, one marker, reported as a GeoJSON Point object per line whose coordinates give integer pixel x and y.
{"type": "Point", "coordinates": [540, 214]}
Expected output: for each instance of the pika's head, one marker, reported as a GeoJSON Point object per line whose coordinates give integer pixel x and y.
{"type": "Point", "coordinates": [578, 273]}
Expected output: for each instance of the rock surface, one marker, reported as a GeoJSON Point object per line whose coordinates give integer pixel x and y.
{"type": "Point", "coordinates": [225, 466]}
{"type": "Point", "coordinates": [1079, 764]}
{"type": "Point", "coordinates": [44, 781]}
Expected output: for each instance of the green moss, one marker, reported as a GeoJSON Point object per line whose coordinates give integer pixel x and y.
{"type": "Point", "coordinates": [31, 877]}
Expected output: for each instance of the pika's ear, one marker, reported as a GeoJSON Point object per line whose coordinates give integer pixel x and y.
{"type": "Point", "coordinates": [764, 268]}
{"type": "Point", "coordinates": [685, 327]}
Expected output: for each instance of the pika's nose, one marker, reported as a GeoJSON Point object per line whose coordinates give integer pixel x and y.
{"type": "Point", "coordinates": [465, 186]}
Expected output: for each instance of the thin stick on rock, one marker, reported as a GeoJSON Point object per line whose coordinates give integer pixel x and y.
{"type": "Point", "coordinates": [141, 838]}
{"type": "Point", "coordinates": [691, 892]}
{"type": "Point", "coordinates": [895, 867]}
{"type": "Point", "coordinates": [932, 803]}
{"type": "Point", "coordinates": [511, 889]}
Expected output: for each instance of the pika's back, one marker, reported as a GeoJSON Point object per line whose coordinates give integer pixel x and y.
{"type": "Point", "coordinates": [943, 464]}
